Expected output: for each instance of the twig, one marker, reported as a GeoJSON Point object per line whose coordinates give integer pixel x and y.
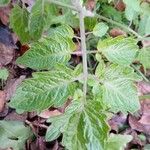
{"type": "Point", "coordinates": [35, 124]}
{"type": "Point", "coordinates": [77, 37]}
{"type": "Point", "coordinates": [87, 33]}
{"type": "Point", "coordinates": [62, 4]}
{"type": "Point", "coordinates": [32, 127]}
{"type": "Point", "coordinates": [119, 25]}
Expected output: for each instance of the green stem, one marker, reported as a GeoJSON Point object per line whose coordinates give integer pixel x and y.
{"type": "Point", "coordinates": [62, 4]}
{"type": "Point", "coordinates": [119, 25]}
{"type": "Point", "coordinates": [142, 75]}
{"type": "Point", "coordinates": [84, 53]}
{"type": "Point", "coordinates": [147, 96]}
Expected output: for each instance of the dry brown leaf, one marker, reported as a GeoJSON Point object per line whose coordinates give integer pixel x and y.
{"type": "Point", "coordinates": [11, 86]}
{"type": "Point", "coordinates": [4, 14]}
{"type": "Point", "coordinates": [119, 5]}
{"type": "Point", "coordinates": [145, 111]}
{"type": "Point", "coordinates": [7, 46]}
{"type": "Point", "coordinates": [6, 54]}
{"type": "Point", "coordinates": [90, 4]}
{"type": "Point", "coordinates": [117, 121]}
{"type": "Point", "coordinates": [138, 126]}
{"type": "Point", "coordinates": [146, 43]}
{"type": "Point", "coordinates": [116, 32]}
{"type": "Point", "coordinates": [49, 113]}
{"type": "Point", "coordinates": [56, 146]}
{"type": "Point", "coordinates": [143, 88]}
{"type": "Point", "coordinates": [145, 119]}
{"type": "Point", "coordinates": [14, 116]}
{"type": "Point", "coordinates": [2, 100]}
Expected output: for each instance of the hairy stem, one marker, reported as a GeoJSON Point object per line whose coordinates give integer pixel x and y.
{"type": "Point", "coordinates": [83, 47]}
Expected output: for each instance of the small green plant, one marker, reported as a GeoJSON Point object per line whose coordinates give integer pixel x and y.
{"type": "Point", "coordinates": [110, 87]}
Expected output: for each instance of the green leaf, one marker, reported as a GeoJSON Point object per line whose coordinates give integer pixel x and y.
{"type": "Point", "coordinates": [144, 57]}
{"type": "Point", "coordinates": [63, 30]}
{"type": "Point", "coordinates": [118, 90]}
{"type": "Point", "coordinates": [117, 142]}
{"type": "Point", "coordinates": [4, 2]}
{"type": "Point", "coordinates": [132, 9]}
{"type": "Point", "coordinates": [19, 23]}
{"type": "Point", "coordinates": [121, 95]}
{"type": "Point", "coordinates": [37, 19]}
{"type": "Point", "coordinates": [47, 52]}
{"type": "Point", "coordinates": [100, 29]}
{"type": "Point", "coordinates": [83, 126]}
{"type": "Point", "coordinates": [90, 23]}
{"type": "Point", "coordinates": [119, 50]}
{"type": "Point", "coordinates": [144, 25]}
{"type": "Point", "coordinates": [114, 71]}
{"type": "Point", "coordinates": [13, 134]}
{"type": "Point", "coordinates": [45, 89]}
{"type": "Point", "coordinates": [112, 13]}
{"type": "Point", "coordinates": [4, 74]}
{"type": "Point", "coordinates": [67, 17]}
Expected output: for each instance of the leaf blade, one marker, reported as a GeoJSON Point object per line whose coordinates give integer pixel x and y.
{"type": "Point", "coordinates": [119, 50]}
{"type": "Point", "coordinates": [44, 90]}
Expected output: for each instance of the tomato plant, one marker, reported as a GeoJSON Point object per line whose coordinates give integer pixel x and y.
{"type": "Point", "coordinates": [53, 29]}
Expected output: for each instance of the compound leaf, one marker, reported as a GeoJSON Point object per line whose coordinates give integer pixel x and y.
{"type": "Point", "coordinates": [119, 50]}
{"type": "Point", "coordinates": [45, 89]}
{"type": "Point", "coordinates": [13, 134]}
{"type": "Point", "coordinates": [49, 51]}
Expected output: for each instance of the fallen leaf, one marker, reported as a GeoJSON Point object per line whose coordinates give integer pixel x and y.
{"type": "Point", "coordinates": [145, 110]}
{"type": "Point", "coordinates": [136, 125]}
{"type": "Point", "coordinates": [135, 141]}
{"type": "Point", "coordinates": [4, 14]}
{"type": "Point", "coordinates": [90, 4]}
{"type": "Point", "coordinates": [56, 146]}
{"type": "Point", "coordinates": [29, 3]}
{"type": "Point", "coordinates": [117, 32]}
{"type": "Point", "coordinates": [11, 86]}
{"type": "Point", "coordinates": [2, 100]}
{"type": "Point", "coordinates": [145, 119]}
{"type": "Point", "coordinates": [143, 88]}
{"type": "Point", "coordinates": [24, 48]}
{"type": "Point", "coordinates": [14, 116]}
{"type": "Point", "coordinates": [117, 121]}
{"type": "Point", "coordinates": [49, 113]}
{"type": "Point", "coordinates": [7, 46]}
{"type": "Point", "coordinates": [146, 43]}
{"type": "Point", "coordinates": [119, 5]}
